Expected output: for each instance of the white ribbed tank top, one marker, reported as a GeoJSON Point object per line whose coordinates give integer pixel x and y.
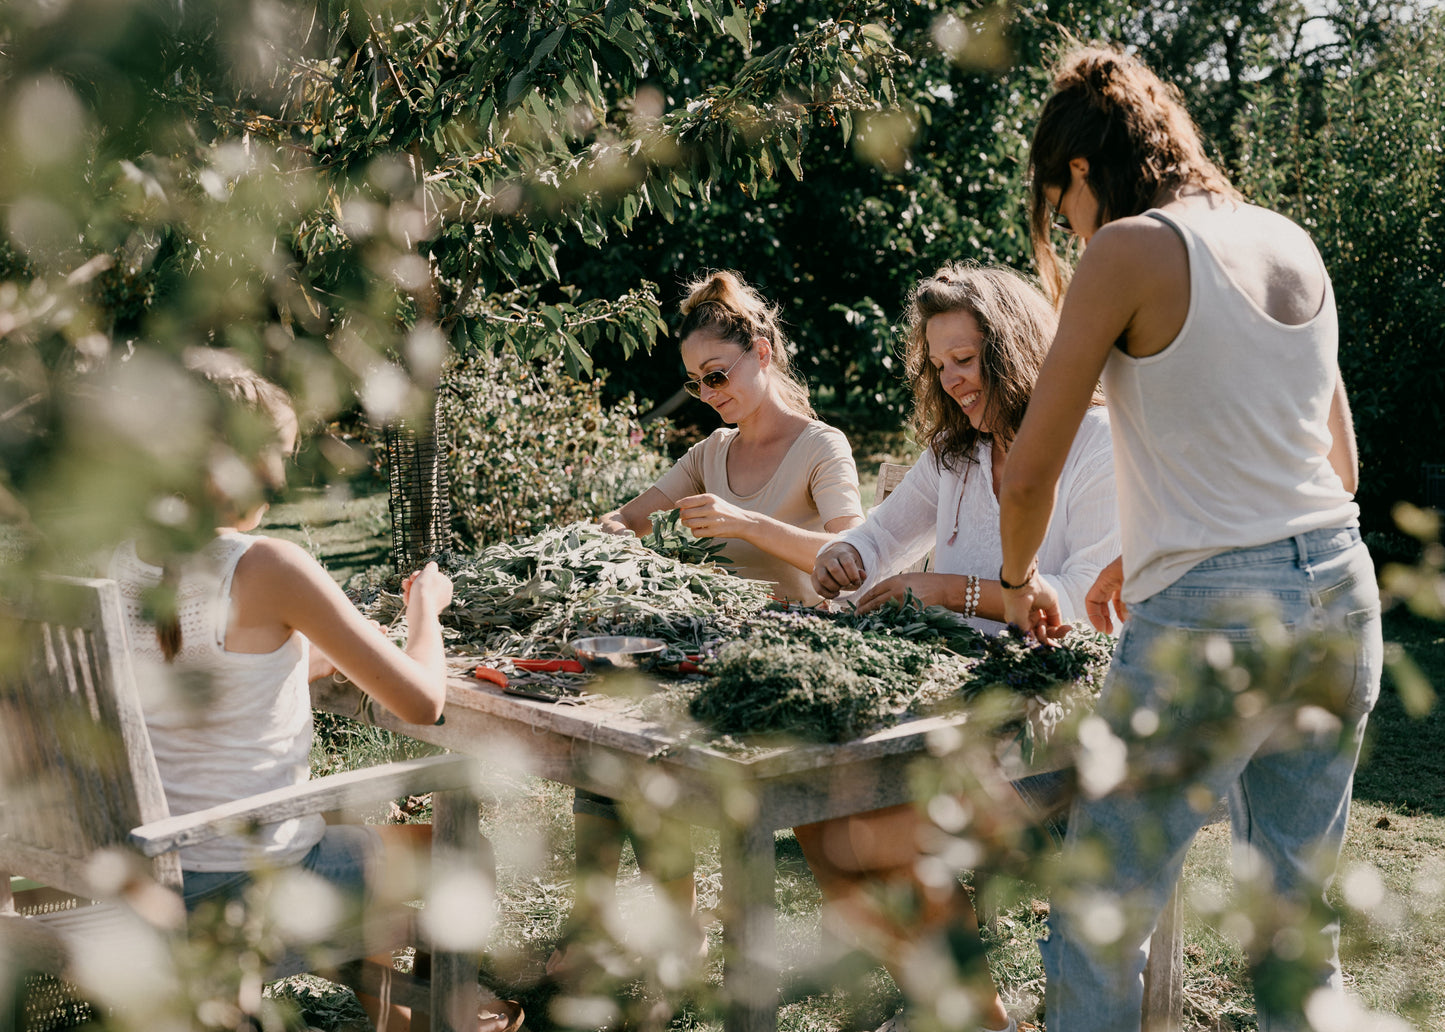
{"type": "Point", "coordinates": [224, 725]}
{"type": "Point", "coordinates": [1221, 440]}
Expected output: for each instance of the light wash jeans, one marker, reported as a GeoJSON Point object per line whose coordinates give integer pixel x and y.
{"type": "Point", "coordinates": [1251, 676]}
{"type": "Point", "coordinates": [345, 856]}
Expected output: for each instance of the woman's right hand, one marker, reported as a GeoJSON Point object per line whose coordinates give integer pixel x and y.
{"type": "Point", "coordinates": [1106, 592]}
{"type": "Point", "coordinates": [838, 568]}
{"type": "Point", "coordinates": [429, 587]}
{"type": "Point", "coordinates": [612, 523]}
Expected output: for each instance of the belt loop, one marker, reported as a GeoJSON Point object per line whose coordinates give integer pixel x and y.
{"type": "Point", "coordinates": [1301, 551]}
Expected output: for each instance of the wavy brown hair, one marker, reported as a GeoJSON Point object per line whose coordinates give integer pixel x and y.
{"type": "Point", "coordinates": [1110, 109]}
{"type": "Point", "coordinates": [723, 304]}
{"type": "Point", "coordinates": [1017, 323]}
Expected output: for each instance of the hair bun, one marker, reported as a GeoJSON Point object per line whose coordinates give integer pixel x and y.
{"type": "Point", "coordinates": [720, 288]}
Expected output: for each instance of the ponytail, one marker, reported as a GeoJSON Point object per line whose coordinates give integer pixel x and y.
{"type": "Point", "coordinates": [1110, 109]}
{"type": "Point", "coordinates": [168, 610]}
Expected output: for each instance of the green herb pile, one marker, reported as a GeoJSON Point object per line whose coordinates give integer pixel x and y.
{"type": "Point", "coordinates": [1056, 681]}
{"type": "Point", "coordinates": [1022, 666]}
{"type": "Point", "coordinates": [815, 677]}
{"type": "Point", "coordinates": [770, 670]}
{"type": "Point", "coordinates": [530, 596]}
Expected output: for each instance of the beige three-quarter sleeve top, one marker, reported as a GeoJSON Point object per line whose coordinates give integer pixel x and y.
{"type": "Point", "coordinates": [816, 482]}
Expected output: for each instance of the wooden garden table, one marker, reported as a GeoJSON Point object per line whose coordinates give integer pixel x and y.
{"type": "Point", "coordinates": [609, 740]}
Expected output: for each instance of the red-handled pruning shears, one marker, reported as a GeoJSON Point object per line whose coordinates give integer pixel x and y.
{"type": "Point", "coordinates": [486, 673]}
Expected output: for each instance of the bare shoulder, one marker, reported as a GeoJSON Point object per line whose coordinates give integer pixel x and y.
{"type": "Point", "coordinates": [274, 565]}
{"type": "Point", "coordinates": [1137, 243]}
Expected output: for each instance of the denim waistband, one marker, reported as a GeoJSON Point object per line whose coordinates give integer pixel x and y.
{"type": "Point", "coordinates": [1301, 549]}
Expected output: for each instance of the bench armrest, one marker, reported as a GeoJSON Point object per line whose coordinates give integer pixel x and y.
{"type": "Point", "coordinates": [333, 792]}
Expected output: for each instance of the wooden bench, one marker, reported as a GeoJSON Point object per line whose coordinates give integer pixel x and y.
{"type": "Point", "coordinates": [82, 812]}
{"type": "Point", "coordinates": [1163, 1009]}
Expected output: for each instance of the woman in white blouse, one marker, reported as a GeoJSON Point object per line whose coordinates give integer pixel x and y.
{"type": "Point", "coordinates": [977, 338]}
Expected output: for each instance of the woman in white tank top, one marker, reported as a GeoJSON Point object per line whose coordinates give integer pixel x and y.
{"type": "Point", "coordinates": [254, 620]}
{"type": "Point", "coordinates": [1212, 325]}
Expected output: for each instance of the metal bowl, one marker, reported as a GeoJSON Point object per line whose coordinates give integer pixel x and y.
{"type": "Point", "coordinates": [617, 652]}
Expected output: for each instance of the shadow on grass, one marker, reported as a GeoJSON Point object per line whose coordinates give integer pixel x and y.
{"type": "Point", "coordinates": [1403, 765]}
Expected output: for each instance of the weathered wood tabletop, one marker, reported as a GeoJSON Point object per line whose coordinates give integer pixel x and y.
{"type": "Point", "coordinates": [616, 745]}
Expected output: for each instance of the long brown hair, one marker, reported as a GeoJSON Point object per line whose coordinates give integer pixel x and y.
{"type": "Point", "coordinates": [251, 416]}
{"type": "Point", "coordinates": [1017, 323]}
{"type": "Point", "coordinates": [1110, 109]}
{"type": "Point", "coordinates": [723, 304]}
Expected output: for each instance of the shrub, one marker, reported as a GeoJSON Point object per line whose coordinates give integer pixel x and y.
{"type": "Point", "coordinates": [1358, 158]}
{"type": "Point", "coordinates": [533, 447]}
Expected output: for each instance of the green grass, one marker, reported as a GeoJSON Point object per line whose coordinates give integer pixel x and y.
{"type": "Point", "coordinates": [1391, 890]}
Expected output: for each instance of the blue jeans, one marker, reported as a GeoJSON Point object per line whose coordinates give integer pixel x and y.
{"type": "Point", "coordinates": [346, 854]}
{"type": "Point", "coordinates": [1251, 676]}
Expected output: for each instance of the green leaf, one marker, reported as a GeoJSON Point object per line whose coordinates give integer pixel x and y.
{"type": "Point", "coordinates": [877, 34]}
{"type": "Point", "coordinates": [578, 354]}
{"type": "Point", "coordinates": [614, 10]}
{"type": "Point", "coordinates": [765, 161]}
{"type": "Point", "coordinates": [548, 45]}
{"type": "Point", "coordinates": [553, 317]}
{"type": "Point", "coordinates": [662, 200]}
{"type": "Point", "coordinates": [485, 118]}
{"type": "Point", "coordinates": [546, 258]}
{"type": "Point", "coordinates": [739, 26]}
{"type": "Point", "coordinates": [789, 150]}
{"type": "Point", "coordinates": [516, 86]}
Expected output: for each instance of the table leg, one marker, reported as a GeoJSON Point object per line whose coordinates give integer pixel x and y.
{"type": "Point", "coordinates": [750, 966]}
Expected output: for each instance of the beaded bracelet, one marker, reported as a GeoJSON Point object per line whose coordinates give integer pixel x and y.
{"type": "Point", "coordinates": [971, 592]}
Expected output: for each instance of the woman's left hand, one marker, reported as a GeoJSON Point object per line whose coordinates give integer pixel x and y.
{"type": "Point", "coordinates": [707, 515]}
{"type": "Point", "coordinates": [1035, 608]}
{"type": "Point", "coordinates": [930, 589]}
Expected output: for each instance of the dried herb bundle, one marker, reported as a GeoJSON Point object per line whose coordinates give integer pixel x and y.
{"type": "Point", "coordinates": [1056, 681]}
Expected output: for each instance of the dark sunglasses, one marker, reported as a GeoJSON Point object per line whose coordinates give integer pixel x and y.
{"type": "Point", "coordinates": [714, 380]}
{"type": "Point", "coordinates": [1057, 217]}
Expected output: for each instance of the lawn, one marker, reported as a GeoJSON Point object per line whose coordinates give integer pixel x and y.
{"type": "Point", "coordinates": [1391, 890]}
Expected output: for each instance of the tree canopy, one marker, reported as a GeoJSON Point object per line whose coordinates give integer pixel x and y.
{"type": "Point", "coordinates": [346, 191]}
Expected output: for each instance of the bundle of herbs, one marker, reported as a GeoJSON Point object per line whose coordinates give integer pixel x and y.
{"type": "Point", "coordinates": [1057, 682]}
{"type": "Point", "coordinates": [670, 538]}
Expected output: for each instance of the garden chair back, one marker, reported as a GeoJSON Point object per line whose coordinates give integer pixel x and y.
{"type": "Point", "coordinates": [85, 825]}
{"type": "Point", "coordinates": [890, 475]}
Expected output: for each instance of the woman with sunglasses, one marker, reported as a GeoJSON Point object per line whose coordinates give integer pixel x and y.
{"type": "Point", "coordinates": [976, 340]}
{"type": "Point", "coordinates": [773, 487]}
{"type": "Point", "coordinates": [776, 485]}
{"type": "Point", "coordinates": [1213, 325]}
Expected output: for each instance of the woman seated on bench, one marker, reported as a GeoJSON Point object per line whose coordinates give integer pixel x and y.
{"type": "Point", "coordinates": [247, 621]}
{"type": "Point", "coordinates": [773, 488]}
{"type": "Point", "coordinates": [977, 338]}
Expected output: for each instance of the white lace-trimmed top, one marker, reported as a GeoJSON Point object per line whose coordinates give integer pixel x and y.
{"type": "Point", "coordinates": [223, 724]}
{"type": "Point", "coordinates": [931, 503]}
